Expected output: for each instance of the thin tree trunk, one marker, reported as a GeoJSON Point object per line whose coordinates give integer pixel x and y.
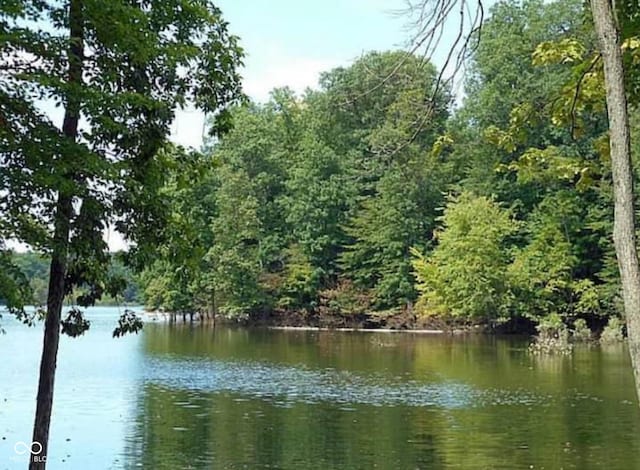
{"type": "Point", "coordinates": [63, 215]}
{"type": "Point", "coordinates": [215, 307]}
{"type": "Point", "coordinates": [624, 214]}
{"type": "Point", "coordinates": [55, 301]}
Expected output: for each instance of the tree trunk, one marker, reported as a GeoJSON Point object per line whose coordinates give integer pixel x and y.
{"type": "Point", "coordinates": [62, 218]}
{"type": "Point", "coordinates": [55, 300]}
{"type": "Point", "coordinates": [619, 137]}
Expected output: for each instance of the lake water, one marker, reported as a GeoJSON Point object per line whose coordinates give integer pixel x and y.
{"type": "Point", "coordinates": [178, 397]}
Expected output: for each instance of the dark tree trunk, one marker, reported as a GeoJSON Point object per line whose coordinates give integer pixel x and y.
{"type": "Point", "coordinates": [215, 308]}
{"type": "Point", "coordinates": [619, 137]}
{"type": "Point", "coordinates": [48, 361]}
{"type": "Point", "coordinates": [57, 288]}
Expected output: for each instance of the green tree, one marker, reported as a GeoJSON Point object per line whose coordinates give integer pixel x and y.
{"type": "Point", "coordinates": [550, 274]}
{"type": "Point", "coordinates": [373, 109]}
{"type": "Point", "coordinates": [540, 150]}
{"type": "Point", "coordinates": [15, 291]}
{"type": "Point", "coordinates": [249, 228]}
{"type": "Point", "coordinates": [317, 204]}
{"type": "Point", "coordinates": [119, 70]}
{"type": "Point", "coordinates": [466, 275]}
{"type": "Point", "coordinates": [175, 281]}
{"type": "Point", "coordinates": [387, 111]}
{"type": "Point", "coordinates": [35, 268]}
{"type": "Point", "coordinates": [235, 253]}
{"type": "Point", "coordinates": [401, 215]}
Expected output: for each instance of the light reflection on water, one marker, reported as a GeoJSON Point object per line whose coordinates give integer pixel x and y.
{"type": "Point", "coordinates": [193, 397]}
{"type": "Point", "coordinates": [283, 384]}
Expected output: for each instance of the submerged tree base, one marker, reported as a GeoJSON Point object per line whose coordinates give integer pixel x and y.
{"type": "Point", "coordinates": [397, 320]}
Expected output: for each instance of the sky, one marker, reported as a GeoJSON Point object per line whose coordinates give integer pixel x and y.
{"type": "Point", "coordinates": [290, 42]}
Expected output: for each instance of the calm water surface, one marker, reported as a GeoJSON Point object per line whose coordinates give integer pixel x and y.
{"type": "Point", "coordinates": [179, 397]}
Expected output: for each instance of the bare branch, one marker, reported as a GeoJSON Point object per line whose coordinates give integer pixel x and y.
{"type": "Point", "coordinates": [430, 20]}
{"type": "Point", "coordinates": [432, 17]}
{"type": "Point", "coordinates": [576, 95]}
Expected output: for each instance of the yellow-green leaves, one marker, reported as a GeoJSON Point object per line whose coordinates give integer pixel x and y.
{"type": "Point", "coordinates": [571, 107]}
{"type": "Point", "coordinates": [583, 92]}
{"type": "Point", "coordinates": [465, 274]}
{"type": "Point", "coordinates": [552, 164]}
{"type": "Point", "coordinates": [442, 142]}
{"type": "Point", "coordinates": [631, 44]}
{"type": "Point", "coordinates": [565, 51]}
{"type": "Point", "coordinates": [500, 138]}
{"type": "Point", "coordinates": [521, 118]}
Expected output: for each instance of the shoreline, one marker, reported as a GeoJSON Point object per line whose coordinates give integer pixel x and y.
{"type": "Point", "coordinates": [293, 321]}
{"type": "Point", "coordinates": [363, 330]}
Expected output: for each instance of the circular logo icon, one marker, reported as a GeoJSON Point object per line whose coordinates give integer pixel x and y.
{"type": "Point", "coordinates": [22, 448]}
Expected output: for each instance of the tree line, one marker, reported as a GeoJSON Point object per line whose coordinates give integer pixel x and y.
{"type": "Point", "coordinates": [380, 192]}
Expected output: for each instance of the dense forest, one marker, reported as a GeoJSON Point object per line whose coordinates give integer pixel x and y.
{"type": "Point", "coordinates": [383, 192]}
{"type": "Point", "coordinates": [387, 193]}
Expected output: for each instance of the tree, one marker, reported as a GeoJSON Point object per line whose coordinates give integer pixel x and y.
{"type": "Point", "coordinates": [610, 36]}
{"type": "Point", "coordinates": [118, 70]}
{"type": "Point", "coordinates": [399, 216]}
{"type": "Point", "coordinates": [466, 275]}
{"type": "Point", "coordinates": [296, 180]}
{"type": "Point", "coordinates": [174, 281]}
{"type": "Point", "coordinates": [248, 227]}
{"type": "Point", "coordinates": [556, 144]}
{"type": "Point", "coordinates": [550, 275]}
{"type": "Point", "coordinates": [234, 254]}
{"type": "Point", "coordinates": [394, 183]}
{"type": "Point", "coordinates": [317, 203]}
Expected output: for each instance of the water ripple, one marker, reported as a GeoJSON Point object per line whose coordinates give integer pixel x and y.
{"type": "Point", "coordinates": [286, 385]}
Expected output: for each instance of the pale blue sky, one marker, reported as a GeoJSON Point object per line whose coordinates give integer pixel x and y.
{"type": "Point", "coordinates": [290, 42]}
{"type": "Point", "coordinates": [298, 37]}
